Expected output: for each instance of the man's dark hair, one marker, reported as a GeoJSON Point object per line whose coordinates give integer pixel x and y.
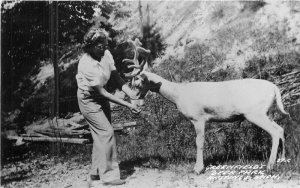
{"type": "Point", "coordinates": [93, 37]}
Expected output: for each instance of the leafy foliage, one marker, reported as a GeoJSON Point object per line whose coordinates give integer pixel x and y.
{"type": "Point", "coordinates": [26, 34]}
{"type": "Point", "coordinates": [26, 30]}
{"type": "Point", "coordinates": [152, 40]}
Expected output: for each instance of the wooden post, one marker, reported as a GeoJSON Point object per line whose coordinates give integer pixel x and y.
{"type": "Point", "coordinates": [54, 56]}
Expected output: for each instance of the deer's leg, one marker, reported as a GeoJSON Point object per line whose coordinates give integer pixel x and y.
{"type": "Point", "coordinates": [200, 128]}
{"type": "Point", "coordinates": [265, 123]}
{"type": "Point", "coordinates": [281, 136]}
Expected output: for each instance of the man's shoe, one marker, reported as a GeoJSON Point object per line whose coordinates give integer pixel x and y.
{"type": "Point", "coordinates": [93, 182]}
{"type": "Point", "coordinates": [115, 182]}
{"type": "Point", "coordinates": [94, 177]}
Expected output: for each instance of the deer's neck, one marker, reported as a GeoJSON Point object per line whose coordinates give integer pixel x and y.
{"type": "Point", "coordinates": [168, 89]}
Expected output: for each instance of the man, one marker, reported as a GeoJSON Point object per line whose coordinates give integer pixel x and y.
{"type": "Point", "coordinates": [95, 68]}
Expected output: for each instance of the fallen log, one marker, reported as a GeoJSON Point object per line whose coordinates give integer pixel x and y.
{"type": "Point", "coordinates": [76, 126]}
{"type": "Point", "coordinates": [291, 73]}
{"type": "Point", "coordinates": [121, 126]}
{"type": "Point", "coordinates": [62, 133]}
{"type": "Point", "coordinates": [51, 139]}
{"type": "Point", "coordinates": [32, 135]}
{"type": "Point", "coordinates": [116, 126]}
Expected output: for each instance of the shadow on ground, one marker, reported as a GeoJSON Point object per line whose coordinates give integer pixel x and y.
{"type": "Point", "coordinates": [127, 168]}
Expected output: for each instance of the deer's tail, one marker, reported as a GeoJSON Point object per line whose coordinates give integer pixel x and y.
{"type": "Point", "coordinates": [279, 101]}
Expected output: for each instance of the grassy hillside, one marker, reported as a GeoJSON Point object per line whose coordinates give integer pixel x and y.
{"type": "Point", "coordinates": [229, 23]}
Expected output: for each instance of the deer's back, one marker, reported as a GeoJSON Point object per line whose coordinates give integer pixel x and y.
{"type": "Point", "coordinates": [225, 99]}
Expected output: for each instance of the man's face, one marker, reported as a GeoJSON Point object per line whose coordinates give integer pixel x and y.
{"type": "Point", "coordinates": [99, 49]}
{"type": "Point", "coordinates": [102, 46]}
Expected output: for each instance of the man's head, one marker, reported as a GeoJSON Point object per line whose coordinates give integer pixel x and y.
{"type": "Point", "coordinates": [95, 42]}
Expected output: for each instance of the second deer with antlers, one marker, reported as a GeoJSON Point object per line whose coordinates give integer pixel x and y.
{"type": "Point", "coordinates": [226, 101]}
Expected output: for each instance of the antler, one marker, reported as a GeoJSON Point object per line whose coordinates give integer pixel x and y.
{"type": "Point", "coordinates": [134, 62]}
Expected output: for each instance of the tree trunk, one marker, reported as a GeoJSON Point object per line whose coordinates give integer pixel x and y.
{"type": "Point", "coordinates": [54, 56]}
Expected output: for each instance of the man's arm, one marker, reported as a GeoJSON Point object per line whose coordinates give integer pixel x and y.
{"type": "Point", "coordinates": [120, 83]}
{"type": "Point", "coordinates": [115, 99]}
{"type": "Point", "coordinates": [116, 79]}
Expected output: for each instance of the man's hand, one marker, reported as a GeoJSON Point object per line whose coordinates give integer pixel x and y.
{"type": "Point", "coordinates": [134, 109]}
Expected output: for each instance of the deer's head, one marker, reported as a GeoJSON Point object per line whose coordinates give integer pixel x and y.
{"type": "Point", "coordinates": [139, 82]}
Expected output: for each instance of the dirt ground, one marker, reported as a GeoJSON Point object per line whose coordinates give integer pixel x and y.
{"type": "Point", "coordinates": [73, 174]}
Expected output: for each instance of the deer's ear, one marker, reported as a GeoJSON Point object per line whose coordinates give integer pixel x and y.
{"type": "Point", "coordinates": [143, 75]}
{"type": "Point", "coordinates": [145, 67]}
{"type": "Point", "coordinates": [154, 87]}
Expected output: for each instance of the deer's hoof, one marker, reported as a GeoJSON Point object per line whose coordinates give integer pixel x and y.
{"type": "Point", "coordinates": [199, 171]}
{"type": "Point", "coordinates": [270, 167]}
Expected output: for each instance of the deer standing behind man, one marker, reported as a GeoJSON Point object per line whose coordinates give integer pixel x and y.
{"type": "Point", "coordinates": [225, 101]}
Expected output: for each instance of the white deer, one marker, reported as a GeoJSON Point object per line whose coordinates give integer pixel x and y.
{"type": "Point", "coordinates": [225, 101]}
